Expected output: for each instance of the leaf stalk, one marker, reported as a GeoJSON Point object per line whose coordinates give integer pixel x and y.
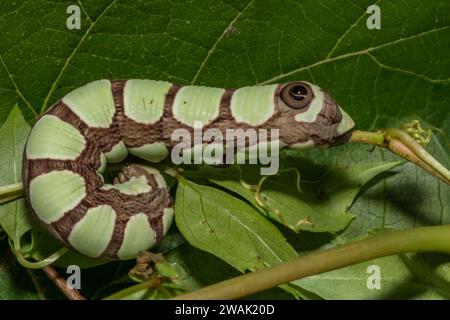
{"type": "Point", "coordinates": [402, 144]}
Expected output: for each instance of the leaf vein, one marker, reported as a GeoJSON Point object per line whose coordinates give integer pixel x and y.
{"type": "Point", "coordinates": [351, 54]}
{"type": "Point", "coordinates": [213, 48]}
{"type": "Point", "coordinates": [70, 57]}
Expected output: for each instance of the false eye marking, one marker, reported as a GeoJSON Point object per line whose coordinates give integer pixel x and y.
{"type": "Point", "coordinates": [53, 194]}
{"type": "Point", "coordinates": [53, 138]}
{"type": "Point", "coordinates": [144, 100]}
{"type": "Point", "coordinates": [297, 95]}
{"type": "Point", "coordinates": [138, 236]}
{"type": "Point", "coordinates": [196, 103]}
{"type": "Point", "coordinates": [314, 108]}
{"type": "Point", "coordinates": [92, 234]}
{"type": "Point", "coordinates": [134, 186]}
{"type": "Point", "coordinates": [93, 103]}
{"type": "Point", "coordinates": [153, 152]}
{"type": "Point", "coordinates": [253, 105]}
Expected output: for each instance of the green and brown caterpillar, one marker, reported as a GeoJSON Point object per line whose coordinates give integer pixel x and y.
{"type": "Point", "coordinates": [104, 121]}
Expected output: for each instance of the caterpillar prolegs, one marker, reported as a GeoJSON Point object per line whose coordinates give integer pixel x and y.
{"type": "Point", "coordinates": [104, 121]}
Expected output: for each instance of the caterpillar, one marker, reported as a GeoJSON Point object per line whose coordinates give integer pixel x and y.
{"type": "Point", "coordinates": [104, 121]}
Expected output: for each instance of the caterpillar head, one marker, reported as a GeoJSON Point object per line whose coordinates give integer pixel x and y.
{"type": "Point", "coordinates": [310, 117]}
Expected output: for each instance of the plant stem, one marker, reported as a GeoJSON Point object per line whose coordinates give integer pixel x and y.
{"type": "Point", "coordinates": [42, 263]}
{"type": "Point", "coordinates": [11, 192]}
{"type": "Point", "coordinates": [403, 145]}
{"type": "Point", "coordinates": [434, 167]}
{"type": "Point", "coordinates": [61, 283]}
{"type": "Point", "coordinates": [424, 239]}
{"type": "Point", "coordinates": [374, 138]}
{"type": "Point", "coordinates": [148, 284]}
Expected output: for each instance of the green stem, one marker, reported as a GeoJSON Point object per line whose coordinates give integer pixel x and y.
{"type": "Point", "coordinates": [42, 263]}
{"type": "Point", "coordinates": [402, 144]}
{"type": "Point", "coordinates": [425, 239]}
{"type": "Point", "coordinates": [420, 152]}
{"type": "Point", "coordinates": [11, 192]}
{"type": "Point", "coordinates": [374, 138]}
{"type": "Point", "coordinates": [148, 284]}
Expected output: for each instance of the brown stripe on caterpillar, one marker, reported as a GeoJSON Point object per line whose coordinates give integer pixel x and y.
{"type": "Point", "coordinates": [104, 138]}
{"type": "Point", "coordinates": [135, 134]}
{"type": "Point", "coordinates": [97, 140]}
{"type": "Point", "coordinates": [151, 204]}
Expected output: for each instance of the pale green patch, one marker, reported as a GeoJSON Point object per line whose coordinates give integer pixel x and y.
{"type": "Point", "coordinates": [346, 123]}
{"type": "Point", "coordinates": [138, 236]}
{"type": "Point", "coordinates": [253, 105]}
{"type": "Point", "coordinates": [117, 153]}
{"type": "Point", "coordinates": [158, 177]}
{"type": "Point", "coordinates": [103, 163]}
{"type": "Point", "coordinates": [195, 103]}
{"type": "Point", "coordinates": [144, 99]}
{"type": "Point", "coordinates": [53, 194]}
{"type": "Point", "coordinates": [134, 186]}
{"type": "Point", "coordinates": [93, 103]}
{"type": "Point", "coordinates": [153, 152]}
{"type": "Point", "coordinates": [167, 219]}
{"type": "Point", "coordinates": [53, 138]}
{"type": "Point", "coordinates": [314, 108]}
{"type": "Point", "coordinates": [302, 145]}
{"type": "Point", "coordinates": [92, 234]}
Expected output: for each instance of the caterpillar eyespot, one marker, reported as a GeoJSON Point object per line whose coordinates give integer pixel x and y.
{"type": "Point", "coordinates": [297, 95]}
{"type": "Point", "coordinates": [104, 121]}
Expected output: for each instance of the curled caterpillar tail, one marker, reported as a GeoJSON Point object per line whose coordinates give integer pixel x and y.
{"type": "Point", "coordinates": [65, 156]}
{"type": "Point", "coordinates": [114, 221]}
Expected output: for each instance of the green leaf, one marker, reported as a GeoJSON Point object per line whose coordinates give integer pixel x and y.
{"type": "Point", "coordinates": [227, 227]}
{"type": "Point", "coordinates": [15, 283]}
{"type": "Point", "coordinates": [374, 74]}
{"type": "Point", "coordinates": [321, 204]}
{"type": "Point", "coordinates": [197, 269]}
{"type": "Point", "coordinates": [380, 77]}
{"type": "Point", "coordinates": [14, 216]}
{"type": "Point", "coordinates": [398, 280]}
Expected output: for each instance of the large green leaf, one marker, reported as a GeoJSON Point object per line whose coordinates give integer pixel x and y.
{"type": "Point", "coordinates": [319, 203]}
{"type": "Point", "coordinates": [376, 75]}
{"type": "Point", "coordinates": [14, 216]}
{"type": "Point", "coordinates": [380, 77]}
{"type": "Point", "coordinates": [214, 221]}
